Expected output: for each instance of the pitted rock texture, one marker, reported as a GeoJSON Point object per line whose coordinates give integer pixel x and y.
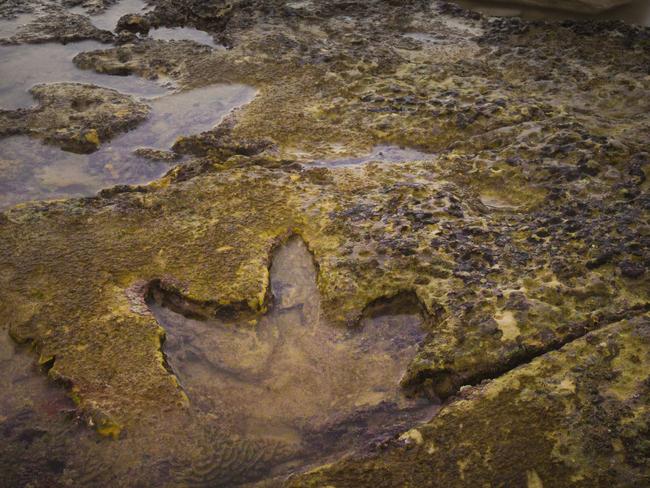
{"type": "Point", "coordinates": [11, 8]}
{"type": "Point", "coordinates": [133, 23]}
{"type": "Point", "coordinates": [523, 231]}
{"type": "Point", "coordinates": [74, 116]}
{"type": "Point", "coordinates": [61, 27]}
{"type": "Point", "coordinates": [576, 417]}
{"type": "Point", "coordinates": [495, 294]}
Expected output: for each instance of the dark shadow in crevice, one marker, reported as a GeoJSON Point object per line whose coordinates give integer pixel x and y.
{"type": "Point", "coordinates": [446, 383]}
{"type": "Point", "coordinates": [167, 295]}
{"type": "Point", "coordinates": [403, 302]}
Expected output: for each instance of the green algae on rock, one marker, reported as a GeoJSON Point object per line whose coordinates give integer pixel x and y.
{"type": "Point", "coordinates": [211, 235]}
{"type": "Point", "coordinates": [324, 389]}
{"type": "Point", "coordinates": [491, 177]}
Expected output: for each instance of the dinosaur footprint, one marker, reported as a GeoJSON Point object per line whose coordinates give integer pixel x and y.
{"type": "Point", "coordinates": [293, 378]}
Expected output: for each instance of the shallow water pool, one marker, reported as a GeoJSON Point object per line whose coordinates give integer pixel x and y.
{"type": "Point", "coordinates": [380, 154]}
{"type": "Point", "coordinates": [107, 19]}
{"type": "Point", "coordinates": [31, 170]}
{"type": "Point", "coordinates": [27, 65]}
{"type": "Point", "coordinates": [183, 34]}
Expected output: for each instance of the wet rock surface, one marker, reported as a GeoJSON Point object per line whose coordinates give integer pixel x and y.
{"type": "Point", "coordinates": [324, 389]}
{"type": "Point", "coordinates": [133, 23]}
{"type": "Point", "coordinates": [11, 8]}
{"type": "Point", "coordinates": [78, 118]}
{"type": "Point", "coordinates": [59, 27]}
{"type": "Point", "coordinates": [35, 171]}
{"type": "Point", "coordinates": [517, 227]}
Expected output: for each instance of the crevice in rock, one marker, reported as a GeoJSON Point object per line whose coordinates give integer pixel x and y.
{"type": "Point", "coordinates": [445, 383]}
{"type": "Point", "coordinates": [165, 358]}
{"type": "Point", "coordinates": [48, 364]}
{"type": "Point", "coordinates": [403, 300]}
{"type": "Point", "coordinates": [165, 294]}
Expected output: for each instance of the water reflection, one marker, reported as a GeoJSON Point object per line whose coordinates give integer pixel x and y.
{"type": "Point", "coordinates": [24, 66]}
{"type": "Point", "coordinates": [379, 154]}
{"type": "Point", "coordinates": [31, 170]}
{"type": "Point", "coordinates": [107, 19]}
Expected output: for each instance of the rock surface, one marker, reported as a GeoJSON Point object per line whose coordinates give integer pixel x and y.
{"type": "Point", "coordinates": [575, 417]}
{"type": "Point", "coordinates": [521, 228]}
{"type": "Point", "coordinates": [133, 23]}
{"type": "Point", "coordinates": [75, 117]}
{"type": "Point", "coordinates": [62, 27]}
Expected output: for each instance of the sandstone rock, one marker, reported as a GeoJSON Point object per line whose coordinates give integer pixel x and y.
{"type": "Point", "coordinates": [576, 414]}
{"type": "Point", "coordinates": [509, 234]}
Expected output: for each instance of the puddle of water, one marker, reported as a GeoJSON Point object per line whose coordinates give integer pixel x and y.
{"type": "Point", "coordinates": [268, 399]}
{"type": "Point", "coordinates": [292, 378]}
{"type": "Point", "coordinates": [10, 27]}
{"type": "Point", "coordinates": [300, 4]}
{"type": "Point", "coordinates": [107, 20]}
{"type": "Point", "coordinates": [29, 388]}
{"type": "Point", "coordinates": [27, 65]}
{"type": "Point", "coordinates": [379, 154]}
{"type": "Point", "coordinates": [185, 113]}
{"type": "Point", "coordinates": [31, 410]}
{"type": "Point", "coordinates": [425, 38]}
{"type": "Point", "coordinates": [183, 34]}
{"type": "Point", "coordinates": [31, 170]}
{"type": "Point", "coordinates": [637, 12]}
{"type": "Point", "coordinates": [496, 202]}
